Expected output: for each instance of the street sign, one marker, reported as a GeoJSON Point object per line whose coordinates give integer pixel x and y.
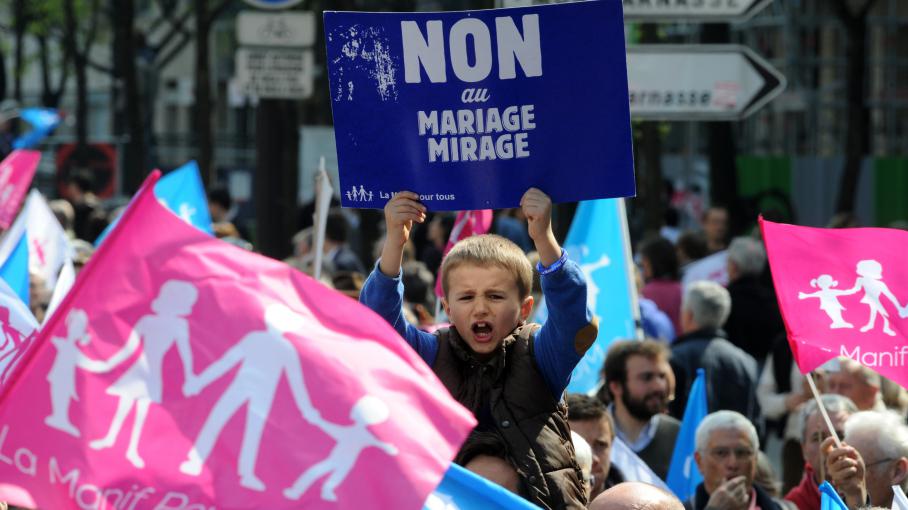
{"type": "Point", "coordinates": [286, 29]}
{"type": "Point", "coordinates": [273, 4]}
{"type": "Point", "coordinates": [278, 73]}
{"type": "Point", "coordinates": [706, 11]}
{"type": "Point", "coordinates": [699, 82]}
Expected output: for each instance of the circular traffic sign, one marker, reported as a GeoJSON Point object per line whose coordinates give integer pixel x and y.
{"type": "Point", "coordinates": [272, 4]}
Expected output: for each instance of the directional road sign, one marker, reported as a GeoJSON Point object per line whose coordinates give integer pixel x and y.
{"type": "Point", "coordinates": [699, 82]}
{"type": "Point", "coordinates": [707, 11]}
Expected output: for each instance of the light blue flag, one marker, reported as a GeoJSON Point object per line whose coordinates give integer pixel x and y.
{"type": "Point", "coordinates": [683, 474]}
{"type": "Point", "coordinates": [42, 120]}
{"type": "Point", "coordinates": [462, 490]}
{"type": "Point", "coordinates": [15, 269]}
{"type": "Point", "coordinates": [598, 242]}
{"type": "Point", "coordinates": [830, 499]}
{"type": "Point", "coordinates": [182, 192]}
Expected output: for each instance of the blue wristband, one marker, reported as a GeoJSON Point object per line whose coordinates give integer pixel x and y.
{"type": "Point", "coordinates": [542, 270]}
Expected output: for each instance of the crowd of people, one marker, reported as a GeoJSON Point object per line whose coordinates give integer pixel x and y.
{"type": "Point", "coordinates": [762, 419]}
{"type": "Point", "coordinates": [764, 443]}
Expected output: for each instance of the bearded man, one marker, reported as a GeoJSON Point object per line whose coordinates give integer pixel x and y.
{"type": "Point", "coordinates": [640, 383]}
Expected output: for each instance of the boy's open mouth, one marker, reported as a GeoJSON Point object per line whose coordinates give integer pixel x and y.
{"type": "Point", "coordinates": [482, 331]}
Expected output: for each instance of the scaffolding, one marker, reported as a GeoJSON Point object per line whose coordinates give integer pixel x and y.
{"type": "Point", "coordinates": [806, 41]}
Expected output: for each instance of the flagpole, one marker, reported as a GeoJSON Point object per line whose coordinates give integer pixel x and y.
{"type": "Point", "coordinates": [816, 396]}
{"type": "Point", "coordinates": [322, 204]}
{"type": "Point", "coordinates": [629, 263]}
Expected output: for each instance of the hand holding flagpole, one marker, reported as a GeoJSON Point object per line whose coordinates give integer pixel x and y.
{"type": "Point", "coordinates": [822, 408]}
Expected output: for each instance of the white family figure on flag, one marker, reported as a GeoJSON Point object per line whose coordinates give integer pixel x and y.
{"type": "Point", "coordinates": [870, 280]}
{"type": "Point", "coordinates": [62, 374]}
{"type": "Point", "coordinates": [592, 290]}
{"type": "Point", "coordinates": [351, 441]}
{"type": "Point", "coordinates": [142, 383]}
{"type": "Point", "coordinates": [263, 357]}
{"type": "Point", "coordinates": [187, 211]}
{"type": "Point", "coordinates": [829, 299]}
{"type": "Point", "coordinates": [11, 344]}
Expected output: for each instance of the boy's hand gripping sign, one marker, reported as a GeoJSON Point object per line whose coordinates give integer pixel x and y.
{"type": "Point", "coordinates": [470, 109]}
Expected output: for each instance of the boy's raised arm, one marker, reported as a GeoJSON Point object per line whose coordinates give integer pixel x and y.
{"type": "Point", "coordinates": [537, 207]}
{"type": "Point", "coordinates": [383, 290]}
{"type": "Point", "coordinates": [400, 213]}
{"type": "Point", "coordinates": [571, 328]}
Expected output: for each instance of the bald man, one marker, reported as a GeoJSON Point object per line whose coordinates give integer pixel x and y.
{"type": "Point", "coordinates": [636, 496]}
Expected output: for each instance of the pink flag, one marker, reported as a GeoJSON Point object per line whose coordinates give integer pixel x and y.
{"type": "Point", "coordinates": [468, 223]}
{"type": "Point", "coordinates": [16, 173]}
{"type": "Point", "coordinates": [184, 373]}
{"type": "Point", "coordinates": [842, 292]}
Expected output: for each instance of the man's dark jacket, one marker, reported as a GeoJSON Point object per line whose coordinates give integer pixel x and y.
{"type": "Point", "coordinates": [754, 321]}
{"type": "Point", "coordinates": [731, 374]}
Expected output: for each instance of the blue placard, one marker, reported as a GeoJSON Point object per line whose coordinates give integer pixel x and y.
{"type": "Point", "coordinates": [470, 109]}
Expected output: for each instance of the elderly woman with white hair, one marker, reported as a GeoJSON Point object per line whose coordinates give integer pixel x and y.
{"type": "Point", "coordinates": [726, 454]}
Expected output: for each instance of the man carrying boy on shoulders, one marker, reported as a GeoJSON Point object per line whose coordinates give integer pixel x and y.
{"type": "Point", "coordinates": [510, 374]}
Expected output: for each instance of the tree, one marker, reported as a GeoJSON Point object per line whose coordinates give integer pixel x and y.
{"type": "Point", "coordinates": [78, 49]}
{"type": "Point", "coordinates": [47, 18]}
{"type": "Point", "coordinates": [649, 155]}
{"type": "Point", "coordinates": [723, 152]}
{"type": "Point", "coordinates": [853, 15]}
{"type": "Point", "coordinates": [140, 53]}
{"type": "Point", "coordinates": [128, 105]}
{"type": "Point", "coordinates": [204, 106]}
{"type": "Point", "coordinates": [22, 17]}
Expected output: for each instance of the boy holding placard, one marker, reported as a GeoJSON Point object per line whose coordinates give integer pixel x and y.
{"type": "Point", "coordinates": [509, 373]}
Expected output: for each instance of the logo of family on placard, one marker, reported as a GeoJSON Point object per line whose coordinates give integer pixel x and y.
{"type": "Point", "coordinates": [360, 194]}
{"type": "Point", "coordinates": [870, 281]}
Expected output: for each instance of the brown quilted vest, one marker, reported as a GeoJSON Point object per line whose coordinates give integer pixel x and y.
{"type": "Point", "coordinates": [508, 394]}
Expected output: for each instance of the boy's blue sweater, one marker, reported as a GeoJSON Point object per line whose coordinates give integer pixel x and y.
{"type": "Point", "coordinates": [554, 347]}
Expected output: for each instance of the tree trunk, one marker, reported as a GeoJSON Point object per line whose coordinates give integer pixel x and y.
{"type": "Point", "coordinates": [203, 107]}
{"type": "Point", "coordinates": [80, 61]}
{"type": "Point", "coordinates": [723, 165]}
{"type": "Point", "coordinates": [128, 104]}
{"type": "Point", "coordinates": [276, 175]}
{"type": "Point", "coordinates": [20, 24]}
{"type": "Point", "coordinates": [50, 95]}
{"type": "Point", "coordinates": [649, 152]}
{"type": "Point", "coordinates": [3, 76]}
{"type": "Point", "coordinates": [856, 142]}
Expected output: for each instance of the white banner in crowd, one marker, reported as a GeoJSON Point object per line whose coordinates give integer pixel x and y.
{"type": "Point", "coordinates": [48, 244]}
{"type": "Point", "coordinates": [713, 268]}
{"type": "Point", "coordinates": [632, 467]}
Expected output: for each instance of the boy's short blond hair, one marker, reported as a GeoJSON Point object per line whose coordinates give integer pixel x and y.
{"type": "Point", "coordinates": [490, 250]}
